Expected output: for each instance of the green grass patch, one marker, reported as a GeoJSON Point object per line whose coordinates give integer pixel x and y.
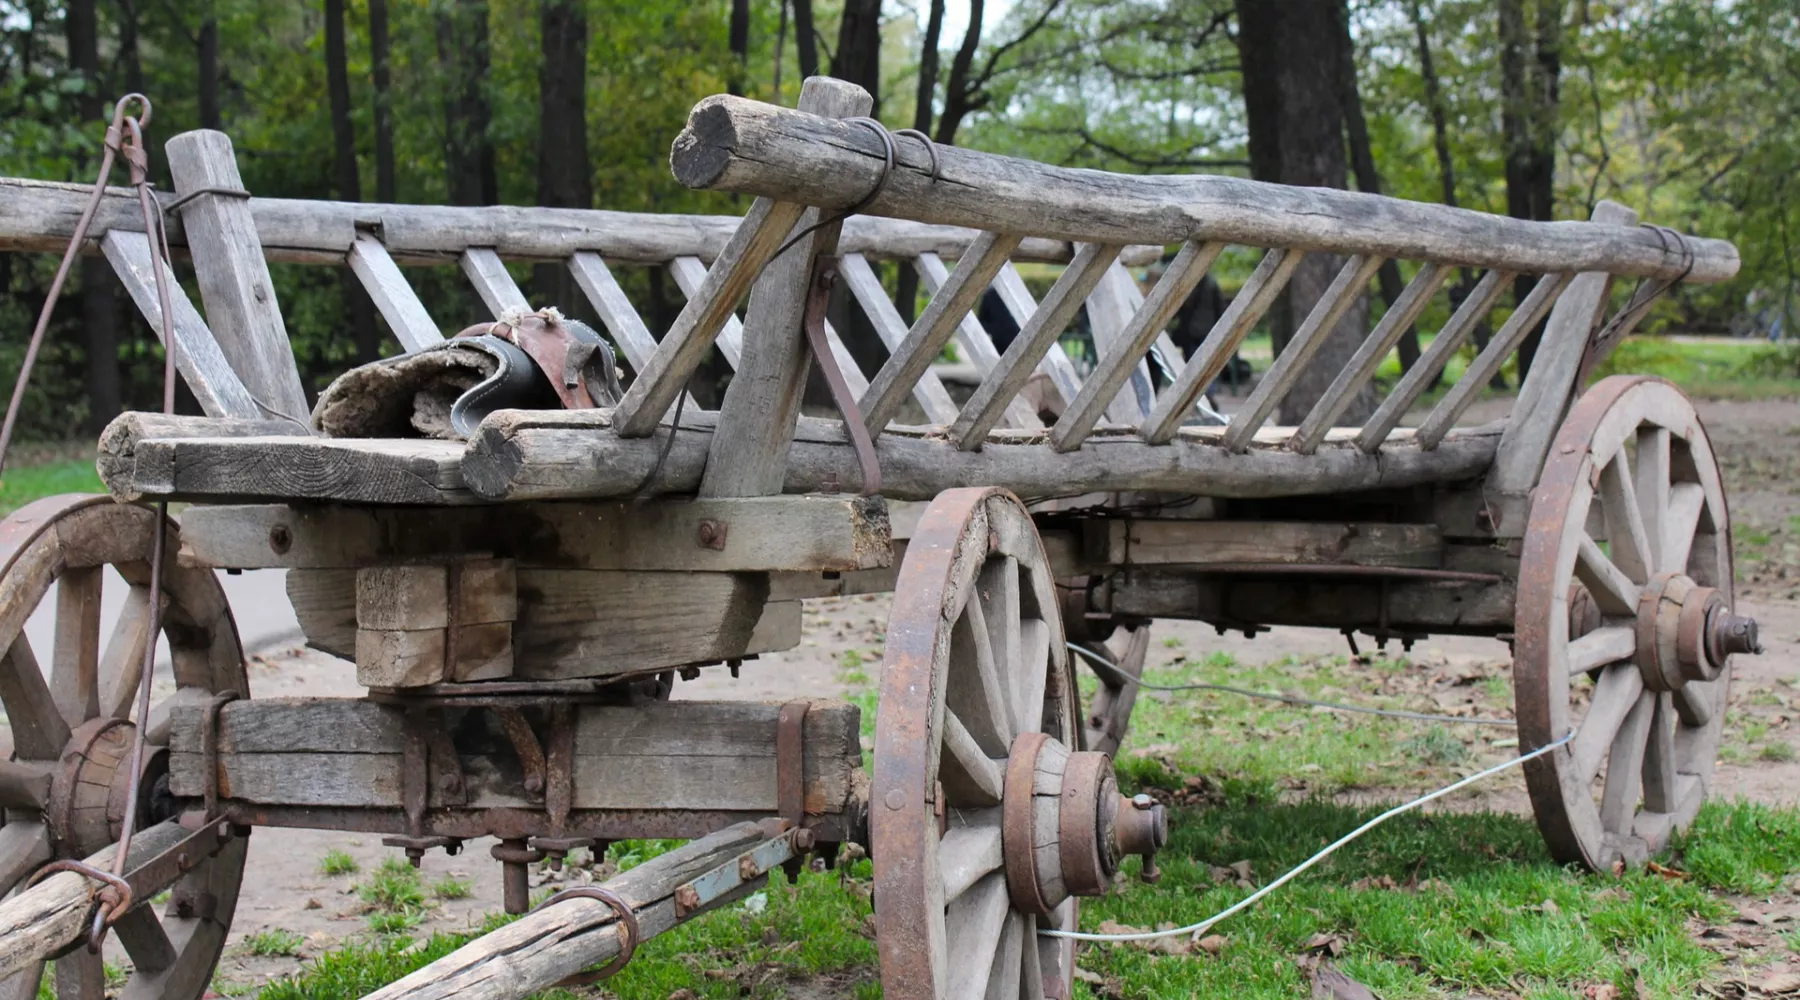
{"type": "Point", "coordinates": [1712, 368]}
{"type": "Point", "coordinates": [22, 484]}
{"type": "Point", "coordinates": [394, 887]}
{"type": "Point", "coordinates": [273, 942]}
{"type": "Point", "coordinates": [338, 862]}
{"type": "Point", "coordinates": [452, 888]}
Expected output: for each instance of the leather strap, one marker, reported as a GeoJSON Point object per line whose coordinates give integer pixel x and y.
{"type": "Point", "coordinates": [818, 297]}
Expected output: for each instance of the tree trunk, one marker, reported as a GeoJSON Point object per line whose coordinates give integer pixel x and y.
{"type": "Point", "coordinates": [960, 97]}
{"type": "Point", "coordinates": [1296, 124]}
{"type": "Point", "coordinates": [739, 41]}
{"type": "Point", "coordinates": [385, 184]}
{"type": "Point", "coordinates": [462, 38]}
{"type": "Point", "coordinates": [806, 40]}
{"type": "Point", "coordinates": [1530, 72]}
{"type": "Point", "coordinates": [99, 308]}
{"type": "Point", "coordinates": [348, 181]}
{"type": "Point", "coordinates": [858, 56]}
{"type": "Point", "coordinates": [129, 56]}
{"type": "Point", "coordinates": [207, 64]}
{"type": "Point", "coordinates": [1368, 179]}
{"type": "Point", "coordinates": [906, 290]}
{"type": "Point", "coordinates": [565, 177]}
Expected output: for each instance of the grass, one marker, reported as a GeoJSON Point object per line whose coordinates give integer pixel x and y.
{"type": "Point", "coordinates": [273, 942]}
{"type": "Point", "coordinates": [452, 888]}
{"type": "Point", "coordinates": [338, 862]}
{"type": "Point", "coordinates": [24, 483]}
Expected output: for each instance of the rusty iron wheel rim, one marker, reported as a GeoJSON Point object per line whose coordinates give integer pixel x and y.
{"type": "Point", "coordinates": [967, 547]}
{"type": "Point", "coordinates": [1656, 750]}
{"type": "Point", "coordinates": [72, 541]}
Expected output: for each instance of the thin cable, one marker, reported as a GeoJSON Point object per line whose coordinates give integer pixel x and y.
{"type": "Point", "coordinates": [1390, 713]}
{"type": "Point", "coordinates": [1250, 900]}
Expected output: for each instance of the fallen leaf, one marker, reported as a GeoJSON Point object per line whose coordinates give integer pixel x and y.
{"type": "Point", "coordinates": [1549, 906]}
{"type": "Point", "coordinates": [1601, 991]}
{"type": "Point", "coordinates": [1330, 984]}
{"type": "Point", "coordinates": [1090, 978]}
{"type": "Point", "coordinates": [1667, 872]}
{"type": "Point", "coordinates": [1326, 943]}
{"type": "Point", "coordinates": [1779, 983]}
{"type": "Point", "coordinates": [1212, 944]}
{"type": "Point", "coordinates": [1241, 869]}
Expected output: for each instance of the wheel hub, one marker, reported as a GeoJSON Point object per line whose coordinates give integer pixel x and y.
{"type": "Point", "coordinates": [1685, 632]}
{"type": "Point", "coordinates": [1066, 827]}
{"type": "Point", "coordinates": [91, 788]}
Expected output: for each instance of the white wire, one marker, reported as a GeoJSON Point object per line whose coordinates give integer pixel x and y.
{"type": "Point", "coordinates": [1251, 899]}
{"type": "Point", "coordinates": [1392, 713]}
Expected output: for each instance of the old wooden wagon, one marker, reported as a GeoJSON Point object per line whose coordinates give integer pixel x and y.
{"type": "Point", "coordinates": [516, 598]}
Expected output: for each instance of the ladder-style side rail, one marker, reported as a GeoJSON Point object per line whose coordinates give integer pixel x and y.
{"type": "Point", "coordinates": [394, 298]}
{"type": "Point", "coordinates": [487, 272]}
{"type": "Point", "coordinates": [1487, 364]}
{"type": "Point", "coordinates": [890, 327]}
{"type": "Point", "coordinates": [975, 340]}
{"type": "Point", "coordinates": [1431, 363]}
{"type": "Point", "coordinates": [1021, 305]}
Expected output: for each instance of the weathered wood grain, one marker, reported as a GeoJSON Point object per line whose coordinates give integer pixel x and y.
{"type": "Point", "coordinates": [1430, 364]}
{"type": "Point", "coordinates": [1152, 542]}
{"type": "Point", "coordinates": [1020, 304]}
{"type": "Point", "coordinates": [1110, 306]}
{"type": "Point", "coordinates": [737, 144]}
{"type": "Point", "coordinates": [354, 470]}
{"type": "Point", "coordinates": [866, 288]}
{"type": "Point", "coordinates": [487, 272]}
{"type": "Point", "coordinates": [973, 337]}
{"type": "Point", "coordinates": [1487, 364]}
{"type": "Point", "coordinates": [406, 316]}
{"type": "Point", "coordinates": [116, 460]}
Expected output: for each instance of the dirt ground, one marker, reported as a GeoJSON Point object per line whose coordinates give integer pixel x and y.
{"type": "Point", "coordinates": [1760, 448]}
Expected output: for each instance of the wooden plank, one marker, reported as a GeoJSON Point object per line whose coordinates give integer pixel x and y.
{"type": "Point", "coordinates": [580, 623]}
{"type": "Point", "coordinates": [664, 377]}
{"type": "Point", "coordinates": [866, 288]}
{"type": "Point", "coordinates": [1110, 307]}
{"type": "Point", "coordinates": [1197, 595]}
{"type": "Point", "coordinates": [406, 316]}
{"type": "Point", "coordinates": [1425, 370]}
{"type": "Point", "coordinates": [1154, 542]}
{"type": "Point", "coordinates": [234, 279]}
{"type": "Point", "coordinates": [802, 533]}
{"type": "Point", "coordinates": [346, 752]}
{"type": "Point", "coordinates": [1487, 364]}
{"type": "Point", "coordinates": [1117, 364]}
{"type": "Point", "coordinates": [1550, 387]}
{"type": "Point", "coordinates": [1351, 283]}
{"type": "Point", "coordinates": [737, 144]}
{"type": "Point", "coordinates": [568, 456]}
{"type": "Point", "coordinates": [934, 327]}
{"type": "Point", "coordinates": [616, 311]}
{"type": "Point", "coordinates": [974, 339]}
{"type": "Point", "coordinates": [1037, 337]}
{"type": "Point", "coordinates": [1254, 299]}
{"type": "Point", "coordinates": [1018, 301]}
{"type": "Point", "coordinates": [1399, 317]}
{"type": "Point", "coordinates": [197, 355]}
{"type": "Point", "coordinates": [690, 274]}
{"type": "Point", "coordinates": [487, 272]}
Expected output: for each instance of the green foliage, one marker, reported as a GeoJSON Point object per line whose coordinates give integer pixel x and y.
{"type": "Point", "coordinates": [393, 888]}
{"type": "Point", "coordinates": [273, 942]}
{"type": "Point", "coordinates": [337, 862]}
{"type": "Point", "coordinates": [452, 888]}
{"type": "Point", "coordinates": [25, 483]}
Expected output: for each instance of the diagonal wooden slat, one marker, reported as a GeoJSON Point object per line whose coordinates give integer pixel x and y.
{"type": "Point", "coordinates": [1352, 282]}
{"type": "Point", "coordinates": [1425, 371]}
{"type": "Point", "coordinates": [1401, 315]}
{"type": "Point", "coordinates": [934, 327]}
{"type": "Point", "coordinates": [616, 312]}
{"type": "Point", "coordinates": [1110, 307]}
{"type": "Point", "coordinates": [689, 274]}
{"type": "Point", "coordinates": [1055, 362]}
{"type": "Point", "coordinates": [1488, 362]}
{"type": "Point", "coordinates": [487, 272]}
{"type": "Point", "coordinates": [398, 303]}
{"type": "Point", "coordinates": [975, 340]}
{"type": "Point", "coordinates": [664, 376]}
{"type": "Point", "coordinates": [866, 288]}
{"type": "Point", "coordinates": [1254, 299]}
{"type": "Point", "coordinates": [1037, 336]}
{"type": "Point", "coordinates": [1185, 272]}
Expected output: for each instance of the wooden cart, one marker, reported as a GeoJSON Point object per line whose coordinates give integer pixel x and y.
{"type": "Point", "coordinates": [516, 606]}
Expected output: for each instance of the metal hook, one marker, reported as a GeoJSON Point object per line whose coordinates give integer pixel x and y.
{"type": "Point", "coordinates": [930, 150]}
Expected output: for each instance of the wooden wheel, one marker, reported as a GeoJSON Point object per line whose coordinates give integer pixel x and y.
{"type": "Point", "coordinates": [1109, 715]}
{"type": "Point", "coordinates": [1624, 607]}
{"type": "Point", "coordinates": [74, 727]}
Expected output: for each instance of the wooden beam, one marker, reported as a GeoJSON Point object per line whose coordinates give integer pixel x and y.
{"type": "Point", "coordinates": [406, 316]}
{"type": "Point", "coordinates": [487, 272]}
{"type": "Point", "coordinates": [974, 338]}
{"type": "Point", "coordinates": [1188, 268]}
{"type": "Point", "coordinates": [235, 286]}
{"type": "Point", "coordinates": [1351, 283]}
{"type": "Point", "coordinates": [1415, 605]}
{"type": "Point", "coordinates": [1400, 315]}
{"type": "Point", "coordinates": [824, 534]}
{"type": "Point", "coordinates": [197, 355]}
{"type": "Point", "coordinates": [666, 374]}
{"type": "Point", "coordinates": [737, 144]}
{"type": "Point", "coordinates": [1254, 299]}
{"type": "Point", "coordinates": [1425, 370]}
{"type": "Point", "coordinates": [1019, 302]}
{"type": "Point", "coordinates": [1037, 336]}
{"type": "Point", "coordinates": [934, 327]}
{"type": "Point", "coordinates": [690, 274]}
{"type": "Point", "coordinates": [1157, 542]}
{"type": "Point", "coordinates": [1487, 364]}
{"type": "Point", "coordinates": [866, 288]}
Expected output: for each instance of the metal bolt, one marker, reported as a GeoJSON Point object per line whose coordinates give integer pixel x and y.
{"type": "Point", "coordinates": [280, 539]}
{"type": "Point", "coordinates": [1142, 801]}
{"type": "Point", "coordinates": [804, 839]}
{"type": "Point", "coordinates": [712, 535]}
{"type": "Point", "coordinates": [895, 799]}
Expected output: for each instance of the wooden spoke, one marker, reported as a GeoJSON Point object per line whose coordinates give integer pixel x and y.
{"type": "Point", "coordinates": [1660, 793]}
{"type": "Point", "coordinates": [1618, 690]}
{"type": "Point", "coordinates": [145, 940]}
{"type": "Point", "coordinates": [24, 985]}
{"type": "Point", "coordinates": [1031, 969]}
{"type": "Point", "coordinates": [1625, 764]}
{"type": "Point", "coordinates": [1611, 588]}
{"type": "Point", "coordinates": [24, 785]}
{"type": "Point", "coordinates": [75, 659]}
{"type": "Point", "coordinates": [966, 854]}
{"type": "Point", "coordinates": [122, 664]}
{"type": "Point", "coordinates": [969, 775]}
{"type": "Point", "coordinates": [1600, 647]}
{"type": "Point", "coordinates": [80, 975]}
{"type": "Point", "coordinates": [998, 590]}
{"type": "Point", "coordinates": [975, 692]}
{"type": "Point", "coordinates": [1686, 501]}
{"type": "Point", "coordinates": [1624, 520]}
{"type": "Point", "coordinates": [1653, 488]}
{"type": "Point", "coordinates": [1697, 702]}
{"type": "Point", "coordinates": [1109, 715]}
{"type": "Point", "coordinates": [1003, 976]}
{"type": "Point", "coordinates": [24, 846]}
{"type": "Point", "coordinates": [39, 730]}
{"type": "Point", "coordinates": [973, 928]}
{"type": "Point", "coordinates": [1034, 646]}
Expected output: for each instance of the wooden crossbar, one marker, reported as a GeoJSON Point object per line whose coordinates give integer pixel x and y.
{"type": "Point", "coordinates": [1425, 370]}
{"type": "Point", "coordinates": [1487, 364]}
{"type": "Point", "coordinates": [975, 340]}
{"type": "Point", "coordinates": [1019, 302]}
{"type": "Point", "coordinates": [394, 298]}
{"type": "Point", "coordinates": [866, 289]}
{"type": "Point", "coordinates": [487, 272]}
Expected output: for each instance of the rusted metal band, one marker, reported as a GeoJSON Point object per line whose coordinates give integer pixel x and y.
{"type": "Point", "coordinates": [627, 924]}
{"type": "Point", "coordinates": [112, 901]}
{"type": "Point", "coordinates": [209, 752]}
{"type": "Point", "coordinates": [1083, 850]}
{"type": "Point", "coordinates": [818, 297]}
{"type": "Point", "coordinates": [1018, 825]}
{"type": "Point", "coordinates": [790, 763]}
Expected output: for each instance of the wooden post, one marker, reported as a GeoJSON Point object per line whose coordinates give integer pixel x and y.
{"type": "Point", "coordinates": [757, 419]}
{"type": "Point", "coordinates": [234, 279]}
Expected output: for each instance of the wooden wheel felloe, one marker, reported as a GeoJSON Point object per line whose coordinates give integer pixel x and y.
{"type": "Point", "coordinates": [68, 736]}
{"type": "Point", "coordinates": [1624, 606]}
{"type": "Point", "coordinates": [976, 836]}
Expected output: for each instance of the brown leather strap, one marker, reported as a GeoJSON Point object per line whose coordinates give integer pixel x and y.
{"type": "Point", "coordinates": [558, 353]}
{"type": "Point", "coordinates": [818, 297]}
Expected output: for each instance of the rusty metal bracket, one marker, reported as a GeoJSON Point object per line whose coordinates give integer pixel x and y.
{"type": "Point", "coordinates": [424, 741]}
{"type": "Point", "coordinates": [525, 744]}
{"type": "Point", "coordinates": [628, 930]}
{"type": "Point", "coordinates": [111, 901]}
{"type": "Point", "coordinates": [559, 788]}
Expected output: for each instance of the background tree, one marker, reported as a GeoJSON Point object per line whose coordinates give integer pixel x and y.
{"type": "Point", "coordinates": [564, 170]}
{"type": "Point", "coordinates": [1530, 72]}
{"type": "Point", "coordinates": [349, 182]}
